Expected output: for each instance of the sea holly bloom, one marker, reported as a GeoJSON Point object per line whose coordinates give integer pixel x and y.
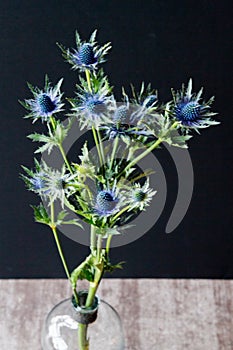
{"type": "Point", "coordinates": [123, 131]}
{"type": "Point", "coordinates": [146, 103]}
{"type": "Point", "coordinates": [87, 55]}
{"type": "Point", "coordinates": [47, 182]}
{"type": "Point", "coordinates": [119, 124]}
{"type": "Point", "coordinates": [92, 107]}
{"type": "Point", "coordinates": [45, 103]}
{"type": "Point", "coordinates": [107, 201]}
{"type": "Point", "coordinates": [190, 111]}
{"type": "Point", "coordinates": [35, 180]}
{"type": "Point", "coordinates": [38, 183]}
{"type": "Point", "coordinates": [150, 101]}
{"type": "Point", "coordinates": [120, 114]}
{"type": "Point", "coordinates": [140, 196]}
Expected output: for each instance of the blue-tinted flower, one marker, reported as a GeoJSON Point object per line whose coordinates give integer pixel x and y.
{"type": "Point", "coordinates": [120, 114]}
{"type": "Point", "coordinates": [140, 196]}
{"type": "Point", "coordinates": [190, 111]}
{"type": "Point", "coordinates": [107, 201]}
{"type": "Point", "coordinates": [146, 104]}
{"type": "Point", "coordinates": [92, 108]}
{"type": "Point", "coordinates": [119, 123]}
{"type": "Point", "coordinates": [48, 183]}
{"type": "Point", "coordinates": [123, 131]}
{"type": "Point", "coordinates": [45, 103]}
{"type": "Point", "coordinates": [38, 183]}
{"type": "Point", "coordinates": [87, 55]}
{"type": "Point", "coordinates": [150, 101]}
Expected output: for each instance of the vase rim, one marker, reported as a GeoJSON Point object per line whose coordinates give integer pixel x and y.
{"type": "Point", "coordinates": [83, 309]}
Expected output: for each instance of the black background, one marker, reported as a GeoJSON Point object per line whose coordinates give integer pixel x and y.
{"type": "Point", "coordinates": [163, 42]}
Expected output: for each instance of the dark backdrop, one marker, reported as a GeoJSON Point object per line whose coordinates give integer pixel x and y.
{"type": "Point", "coordinates": [164, 42]}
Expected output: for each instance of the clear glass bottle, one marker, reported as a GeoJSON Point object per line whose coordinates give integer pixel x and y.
{"type": "Point", "coordinates": [104, 327]}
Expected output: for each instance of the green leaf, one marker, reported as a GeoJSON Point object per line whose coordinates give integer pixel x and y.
{"type": "Point", "coordinates": [55, 138]}
{"type": "Point", "coordinates": [41, 215]}
{"type": "Point", "coordinates": [84, 271]}
{"type": "Point", "coordinates": [108, 267]}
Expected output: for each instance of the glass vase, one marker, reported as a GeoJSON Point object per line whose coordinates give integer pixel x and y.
{"type": "Point", "coordinates": [104, 327]}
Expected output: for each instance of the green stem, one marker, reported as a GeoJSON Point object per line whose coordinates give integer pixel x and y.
{"type": "Point", "coordinates": [114, 151]}
{"type": "Point", "coordinates": [101, 145]}
{"type": "Point", "coordinates": [82, 337]}
{"type": "Point", "coordinates": [54, 230]}
{"type": "Point", "coordinates": [52, 120]}
{"type": "Point", "coordinates": [82, 329]}
{"type": "Point", "coordinates": [88, 77]}
{"type": "Point", "coordinates": [65, 158]}
{"type": "Point", "coordinates": [97, 145]}
{"type": "Point", "coordinates": [93, 239]}
{"type": "Point", "coordinates": [108, 244]}
{"type": "Point", "coordinates": [99, 248]}
{"type": "Point", "coordinates": [98, 274]}
{"type": "Point", "coordinates": [96, 134]}
{"type": "Point", "coordinates": [150, 149]}
{"type": "Point", "coordinates": [121, 212]}
{"type": "Point", "coordinates": [143, 154]}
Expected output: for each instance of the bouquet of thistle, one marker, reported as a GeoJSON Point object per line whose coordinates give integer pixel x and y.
{"type": "Point", "coordinates": [108, 190]}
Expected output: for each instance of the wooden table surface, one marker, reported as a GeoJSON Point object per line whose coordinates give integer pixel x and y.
{"type": "Point", "coordinates": [157, 314]}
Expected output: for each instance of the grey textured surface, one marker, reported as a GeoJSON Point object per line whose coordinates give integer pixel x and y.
{"type": "Point", "coordinates": [158, 314]}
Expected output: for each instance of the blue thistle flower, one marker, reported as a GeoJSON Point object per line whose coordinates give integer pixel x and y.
{"type": "Point", "coordinates": [90, 102]}
{"type": "Point", "coordinates": [92, 108]}
{"type": "Point", "coordinates": [146, 104]}
{"type": "Point", "coordinates": [140, 196]}
{"type": "Point", "coordinates": [87, 55]}
{"type": "Point", "coordinates": [45, 103]}
{"type": "Point", "coordinates": [119, 123]}
{"type": "Point", "coordinates": [106, 202]}
{"type": "Point", "coordinates": [38, 182]}
{"type": "Point", "coordinates": [150, 101]}
{"type": "Point", "coordinates": [120, 114]}
{"type": "Point", "coordinates": [123, 131]}
{"type": "Point", "coordinates": [189, 111]}
{"type": "Point", "coordinates": [48, 183]}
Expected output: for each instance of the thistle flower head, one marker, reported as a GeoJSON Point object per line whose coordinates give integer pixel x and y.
{"type": "Point", "coordinates": [38, 182]}
{"type": "Point", "coordinates": [107, 201]}
{"type": "Point", "coordinates": [45, 103]}
{"type": "Point", "coordinates": [87, 55]}
{"type": "Point", "coordinates": [46, 182]}
{"type": "Point", "coordinates": [119, 124]}
{"type": "Point", "coordinates": [123, 131]}
{"type": "Point", "coordinates": [140, 196]}
{"type": "Point", "coordinates": [90, 102]}
{"type": "Point", "coordinates": [146, 103]}
{"type": "Point", "coordinates": [190, 111]}
{"type": "Point", "coordinates": [150, 101]}
{"type": "Point", "coordinates": [92, 107]}
{"type": "Point", "coordinates": [120, 114]}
